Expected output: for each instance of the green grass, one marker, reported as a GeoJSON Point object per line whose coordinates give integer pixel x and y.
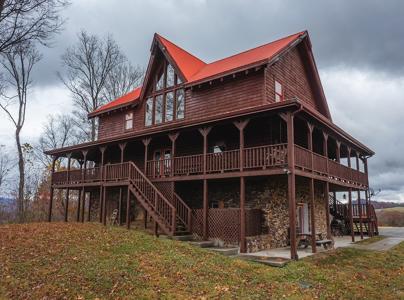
{"type": "Point", "coordinates": [371, 240]}
{"type": "Point", "coordinates": [87, 261]}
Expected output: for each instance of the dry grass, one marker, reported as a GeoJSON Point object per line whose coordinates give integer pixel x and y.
{"type": "Point", "coordinates": [87, 261]}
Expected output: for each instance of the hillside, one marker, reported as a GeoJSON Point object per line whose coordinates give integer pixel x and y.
{"type": "Point", "coordinates": [393, 216]}
{"type": "Point", "coordinates": [85, 261]}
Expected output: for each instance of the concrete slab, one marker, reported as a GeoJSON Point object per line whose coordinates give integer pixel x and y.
{"type": "Point", "coordinates": [225, 251]}
{"type": "Point", "coordinates": [203, 244]}
{"type": "Point", "coordinates": [383, 245]}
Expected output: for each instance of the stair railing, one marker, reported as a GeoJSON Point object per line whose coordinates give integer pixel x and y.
{"type": "Point", "coordinates": [183, 211]}
{"type": "Point", "coordinates": [154, 198]}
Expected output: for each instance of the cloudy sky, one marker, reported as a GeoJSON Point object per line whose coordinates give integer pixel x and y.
{"type": "Point", "coordinates": [358, 46]}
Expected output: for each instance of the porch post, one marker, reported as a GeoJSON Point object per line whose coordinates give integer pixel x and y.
{"type": "Point", "coordinates": [241, 126]}
{"type": "Point", "coordinates": [104, 207]}
{"type": "Point", "coordinates": [51, 190]}
{"type": "Point", "coordinates": [370, 224]}
{"type": "Point", "coordinates": [310, 128]}
{"type": "Point", "coordinates": [146, 143]}
{"type": "Point", "coordinates": [79, 194]}
{"type": "Point", "coordinates": [359, 201]}
{"type": "Point", "coordinates": [291, 186]}
{"type": "Point", "coordinates": [102, 149]}
{"type": "Point", "coordinates": [128, 209]}
{"type": "Point", "coordinates": [89, 207]}
{"type": "Point", "coordinates": [173, 137]}
{"type": "Point", "coordinates": [338, 151]}
{"type": "Point", "coordinates": [84, 171]}
{"type": "Point", "coordinates": [122, 146]}
{"type": "Point", "coordinates": [351, 214]}
{"type": "Point", "coordinates": [327, 208]}
{"type": "Point", "coordinates": [68, 189]}
{"type": "Point", "coordinates": [204, 132]}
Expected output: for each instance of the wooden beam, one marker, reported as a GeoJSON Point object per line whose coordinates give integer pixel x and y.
{"type": "Point", "coordinates": [101, 202]}
{"type": "Point", "coordinates": [291, 186]}
{"type": "Point", "coordinates": [104, 207]}
{"type": "Point", "coordinates": [205, 210]}
{"type": "Point", "coordinates": [83, 204]}
{"type": "Point", "coordinates": [51, 190]}
{"type": "Point", "coordinates": [360, 214]}
{"type": "Point", "coordinates": [120, 206]}
{"type": "Point", "coordinates": [78, 206]}
{"type": "Point", "coordinates": [89, 206]}
{"type": "Point", "coordinates": [67, 190]}
{"type": "Point", "coordinates": [313, 218]}
{"type": "Point", "coordinates": [351, 214]}
{"type": "Point", "coordinates": [243, 244]}
{"type": "Point", "coordinates": [327, 208]}
{"type": "Point", "coordinates": [128, 209]}
{"type": "Point", "coordinates": [146, 142]}
{"type": "Point", "coordinates": [173, 137]}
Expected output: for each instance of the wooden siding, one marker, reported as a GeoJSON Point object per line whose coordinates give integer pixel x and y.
{"type": "Point", "coordinates": [290, 72]}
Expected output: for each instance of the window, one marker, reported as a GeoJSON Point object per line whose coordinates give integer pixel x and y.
{"type": "Point", "coordinates": [169, 106]}
{"type": "Point", "coordinates": [129, 121]}
{"type": "Point", "coordinates": [170, 76]}
{"type": "Point", "coordinates": [278, 92]}
{"type": "Point", "coordinates": [158, 113]}
{"type": "Point", "coordinates": [149, 112]}
{"type": "Point", "coordinates": [180, 104]}
{"type": "Point", "coordinates": [166, 102]}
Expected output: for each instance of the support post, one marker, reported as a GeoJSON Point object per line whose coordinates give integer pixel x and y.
{"type": "Point", "coordinates": [67, 190]}
{"type": "Point", "coordinates": [146, 143]}
{"type": "Point", "coordinates": [327, 209]}
{"type": "Point", "coordinates": [204, 132]}
{"type": "Point", "coordinates": [83, 204]}
{"type": "Point", "coordinates": [241, 126]}
{"type": "Point", "coordinates": [360, 201]}
{"type": "Point", "coordinates": [102, 150]}
{"type": "Point", "coordinates": [89, 206]}
{"type": "Point", "coordinates": [351, 214]}
{"type": "Point", "coordinates": [122, 146]}
{"type": "Point", "coordinates": [51, 190]}
{"type": "Point", "coordinates": [78, 205]}
{"type": "Point", "coordinates": [313, 218]}
{"type": "Point", "coordinates": [83, 174]}
{"type": "Point", "coordinates": [128, 209]}
{"type": "Point", "coordinates": [173, 137]}
{"type": "Point", "coordinates": [104, 206]}
{"type": "Point", "coordinates": [338, 151]}
{"type": "Point", "coordinates": [291, 186]}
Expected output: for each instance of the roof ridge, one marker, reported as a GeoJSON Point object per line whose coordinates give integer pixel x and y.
{"type": "Point", "coordinates": [257, 47]}
{"type": "Point", "coordinates": [186, 51]}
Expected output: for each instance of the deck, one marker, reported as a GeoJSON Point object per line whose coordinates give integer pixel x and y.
{"type": "Point", "coordinates": [262, 160]}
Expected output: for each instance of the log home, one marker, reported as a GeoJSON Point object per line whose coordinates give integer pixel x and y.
{"type": "Point", "coordinates": [242, 150]}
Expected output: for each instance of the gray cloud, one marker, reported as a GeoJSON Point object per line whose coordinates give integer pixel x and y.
{"type": "Point", "coordinates": [358, 45]}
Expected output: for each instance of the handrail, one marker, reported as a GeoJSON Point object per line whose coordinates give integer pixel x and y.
{"type": "Point", "coordinates": [154, 198]}
{"type": "Point", "coordinates": [183, 210]}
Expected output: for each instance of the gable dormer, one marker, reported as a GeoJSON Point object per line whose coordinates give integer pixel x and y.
{"type": "Point", "coordinates": [163, 95]}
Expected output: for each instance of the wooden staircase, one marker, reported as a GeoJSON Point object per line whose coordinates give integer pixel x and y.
{"type": "Point", "coordinates": [173, 217]}
{"type": "Point", "coordinates": [340, 213]}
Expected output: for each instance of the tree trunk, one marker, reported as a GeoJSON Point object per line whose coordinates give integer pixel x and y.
{"type": "Point", "coordinates": [2, 5]}
{"type": "Point", "coordinates": [21, 182]}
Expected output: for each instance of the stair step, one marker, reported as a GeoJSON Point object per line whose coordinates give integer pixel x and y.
{"type": "Point", "coordinates": [225, 251]}
{"type": "Point", "coordinates": [184, 238]}
{"type": "Point", "coordinates": [203, 244]}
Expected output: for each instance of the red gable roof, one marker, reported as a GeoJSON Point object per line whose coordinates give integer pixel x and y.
{"type": "Point", "coordinates": [121, 101]}
{"type": "Point", "coordinates": [195, 70]}
{"type": "Point", "coordinates": [186, 62]}
{"type": "Point", "coordinates": [261, 53]}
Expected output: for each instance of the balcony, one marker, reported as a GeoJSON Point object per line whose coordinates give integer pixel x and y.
{"type": "Point", "coordinates": [255, 158]}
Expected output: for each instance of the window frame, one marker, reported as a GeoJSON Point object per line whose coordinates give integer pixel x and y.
{"type": "Point", "coordinates": [282, 95]}
{"type": "Point", "coordinates": [126, 120]}
{"type": "Point", "coordinates": [178, 85]}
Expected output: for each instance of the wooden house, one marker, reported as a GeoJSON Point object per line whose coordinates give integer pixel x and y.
{"type": "Point", "coordinates": [242, 149]}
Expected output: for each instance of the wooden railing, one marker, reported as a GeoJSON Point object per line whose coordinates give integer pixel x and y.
{"type": "Point", "coordinates": [183, 211]}
{"type": "Point", "coordinates": [302, 157]}
{"type": "Point", "coordinates": [116, 172]}
{"type": "Point", "coordinates": [356, 210]}
{"type": "Point", "coordinates": [223, 161]}
{"type": "Point", "coordinates": [153, 198]}
{"type": "Point", "coordinates": [159, 168]}
{"type": "Point", "coordinates": [265, 156]}
{"type": "Point", "coordinates": [92, 174]}
{"type": "Point", "coordinates": [187, 165]}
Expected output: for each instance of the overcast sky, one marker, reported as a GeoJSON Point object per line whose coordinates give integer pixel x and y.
{"type": "Point", "coordinates": [358, 46]}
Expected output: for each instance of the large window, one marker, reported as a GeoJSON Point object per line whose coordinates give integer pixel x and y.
{"type": "Point", "coordinates": [167, 100]}
{"type": "Point", "coordinates": [278, 92]}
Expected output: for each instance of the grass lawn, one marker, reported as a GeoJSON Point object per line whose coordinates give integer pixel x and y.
{"type": "Point", "coordinates": [87, 261]}
{"type": "Point", "coordinates": [371, 240]}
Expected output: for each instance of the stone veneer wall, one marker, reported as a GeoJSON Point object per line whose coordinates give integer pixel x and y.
{"type": "Point", "coordinates": [270, 195]}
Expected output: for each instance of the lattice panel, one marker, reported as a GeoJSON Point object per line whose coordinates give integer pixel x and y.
{"type": "Point", "coordinates": [197, 222]}
{"type": "Point", "coordinates": [224, 223]}
{"type": "Point", "coordinates": [253, 222]}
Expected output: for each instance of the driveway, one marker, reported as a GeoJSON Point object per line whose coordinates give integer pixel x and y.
{"type": "Point", "coordinates": [392, 231]}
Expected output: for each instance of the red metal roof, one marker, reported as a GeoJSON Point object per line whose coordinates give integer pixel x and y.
{"type": "Point", "coordinates": [188, 63]}
{"type": "Point", "coordinates": [245, 58]}
{"type": "Point", "coordinates": [127, 98]}
{"type": "Point", "coordinates": [196, 70]}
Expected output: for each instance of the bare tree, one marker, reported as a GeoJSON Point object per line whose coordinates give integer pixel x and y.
{"type": "Point", "coordinates": [29, 20]}
{"type": "Point", "coordinates": [18, 66]}
{"type": "Point", "coordinates": [59, 131]}
{"type": "Point", "coordinates": [122, 79]}
{"type": "Point", "coordinates": [96, 68]}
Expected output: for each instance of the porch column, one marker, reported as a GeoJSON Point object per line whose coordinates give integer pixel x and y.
{"type": "Point", "coordinates": [310, 128]}
{"type": "Point", "coordinates": [89, 206]}
{"type": "Point", "coordinates": [102, 150]}
{"type": "Point", "coordinates": [359, 201]}
{"type": "Point", "coordinates": [351, 214]}
{"type": "Point", "coordinates": [84, 173]}
{"type": "Point", "coordinates": [291, 186]}
{"type": "Point", "coordinates": [51, 190]}
{"type": "Point", "coordinates": [67, 190]}
{"type": "Point", "coordinates": [369, 216]}
{"type": "Point", "coordinates": [173, 137]}
{"type": "Point", "coordinates": [104, 206]}
{"type": "Point", "coordinates": [79, 194]}
{"type": "Point", "coordinates": [338, 151]}
{"type": "Point", "coordinates": [204, 132]}
{"type": "Point", "coordinates": [128, 209]}
{"type": "Point", "coordinates": [146, 143]}
{"type": "Point", "coordinates": [327, 208]}
{"type": "Point", "coordinates": [241, 126]}
{"type": "Point", "coordinates": [122, 146]}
